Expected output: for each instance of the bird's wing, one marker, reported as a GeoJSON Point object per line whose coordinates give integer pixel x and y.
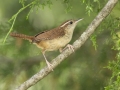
{"type": "Point", "coordinates": [48, 35]}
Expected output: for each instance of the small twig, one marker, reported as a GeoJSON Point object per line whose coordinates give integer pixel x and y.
{"type": "Point", "coordinates": [14, 19]}
{"type": "Point", "coordinates": [9, 30]}
{"type": "Point", "coordinates": [77, 44]}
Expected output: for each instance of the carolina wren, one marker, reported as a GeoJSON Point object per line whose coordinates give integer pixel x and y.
{"type": "Point", "coordinates": [53, 39]}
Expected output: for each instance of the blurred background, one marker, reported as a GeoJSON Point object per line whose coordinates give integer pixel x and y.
{"type": "Point", "coordinates": [83, 70]}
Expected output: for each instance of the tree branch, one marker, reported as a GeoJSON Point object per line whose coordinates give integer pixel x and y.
{"type": "Point", "coordinates": [77, 44]}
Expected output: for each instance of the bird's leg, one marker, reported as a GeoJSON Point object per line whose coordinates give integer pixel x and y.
{"type": "Point", "coordinates": [68, 46]}
{"type": "Point", "coordinates": [48, 64]}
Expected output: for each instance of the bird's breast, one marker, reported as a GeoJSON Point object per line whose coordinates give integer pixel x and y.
{"type": "Point", "coordinates": [54, 44]}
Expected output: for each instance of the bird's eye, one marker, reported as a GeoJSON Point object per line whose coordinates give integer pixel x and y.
{"type": "Point", "coordinates": [71, 22]}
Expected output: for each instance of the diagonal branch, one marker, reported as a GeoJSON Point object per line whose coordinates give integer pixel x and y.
{"type": "Point", "coordinates": [77, 44]}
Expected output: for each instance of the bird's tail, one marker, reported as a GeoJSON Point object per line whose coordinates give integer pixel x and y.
{"type": "Point", "coordinates": [22, 36]}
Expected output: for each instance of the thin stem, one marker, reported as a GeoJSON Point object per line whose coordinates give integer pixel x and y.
{"type": "Point", "coordinates": [14, 19]}
{"type": "Point", "coordinates": [9, 30]}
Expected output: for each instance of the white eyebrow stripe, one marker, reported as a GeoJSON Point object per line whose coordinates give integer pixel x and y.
{"type": "Point", "coordinates": [64, 24]}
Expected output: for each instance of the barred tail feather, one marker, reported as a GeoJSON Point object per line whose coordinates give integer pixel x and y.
{"type": "Point", "coordinates": [22, 36]}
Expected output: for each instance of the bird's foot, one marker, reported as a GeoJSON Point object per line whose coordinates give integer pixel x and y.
{"type": "Point", "coordinates": [50, 66]}
{"type": "Point", "coordinates": [68, 46]}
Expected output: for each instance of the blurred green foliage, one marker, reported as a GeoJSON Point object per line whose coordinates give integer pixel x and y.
{"type": "Point", "coordinates": [83, 70]}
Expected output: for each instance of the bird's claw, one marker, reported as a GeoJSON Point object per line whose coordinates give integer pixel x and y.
{"type": "Point", "coordinates": [50, 66]}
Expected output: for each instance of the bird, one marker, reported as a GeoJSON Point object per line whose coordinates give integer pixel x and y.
{"type": "Point", "coordinates": [52, 40]}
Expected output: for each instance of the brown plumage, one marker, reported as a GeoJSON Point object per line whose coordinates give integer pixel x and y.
{"type": "Point", "coordinates": [48, 35]}
{"type": "Point", "coordinates": [22, 36]}
{"type": "Point", "coordinates": [53, 39]}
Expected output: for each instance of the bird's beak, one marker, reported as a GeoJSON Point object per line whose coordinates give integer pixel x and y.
{"type": "Point", "coordinates": [79, 20]}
